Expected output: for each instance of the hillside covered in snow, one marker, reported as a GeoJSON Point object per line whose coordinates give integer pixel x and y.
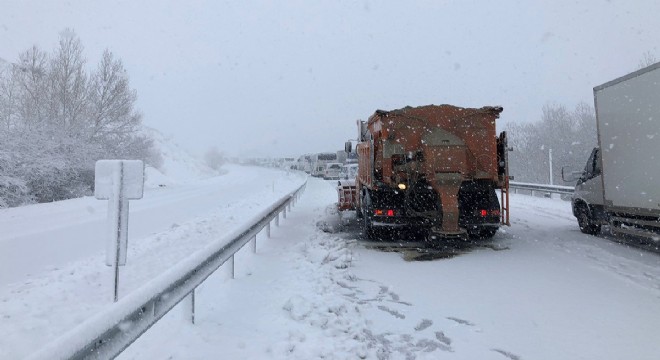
{"type": "Point", "coordinates": [178, 164]}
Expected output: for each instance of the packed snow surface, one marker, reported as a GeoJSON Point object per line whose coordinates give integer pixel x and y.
{"type": "Point", "coordinates": [539, 290]}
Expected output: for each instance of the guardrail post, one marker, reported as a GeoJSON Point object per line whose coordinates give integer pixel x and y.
{"type": "Point", "coordinates": [232, 269]}
{"type": "Point", "coordinates": [189, 305]}
{"type": "Point", "coordinates": [268, 230]}
{"type": "Point", "coordinates": [277, 219]}
{"type": "Point", "coordinates": [284, 213]}
{"type": "Point", "coordinates": [192, 306]}
{"type": "Point", "coordinates": [254, 244]}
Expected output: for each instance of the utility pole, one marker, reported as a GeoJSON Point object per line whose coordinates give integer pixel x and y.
{"type": "Point", "coordinates": [550, 161]}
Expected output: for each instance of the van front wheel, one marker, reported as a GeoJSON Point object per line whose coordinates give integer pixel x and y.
{"type": "Point", "coordinates": [586, 222]}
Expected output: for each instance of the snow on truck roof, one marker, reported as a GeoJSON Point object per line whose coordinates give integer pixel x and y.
{"type": "Point", "coordinates": [495, 110]}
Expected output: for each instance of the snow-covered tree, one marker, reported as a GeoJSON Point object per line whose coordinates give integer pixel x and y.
{"type": "Point", "coordinates": [9, 94]}
{"type": "Point", "coordinates": [112, 101]}
{"type": "Point", "coordinates": [68, 85]}
{"type": "Point", "coordinates": [57, 120]}
{"type": "Point", "coordinates": [570, 134]}
{"type": "Point", "coordinates": [31, 77]}
{"type": "Point", "coordinates": [647, 59]}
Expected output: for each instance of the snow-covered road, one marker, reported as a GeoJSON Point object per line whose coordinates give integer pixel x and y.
{"type": "Point", "coordinates": [548, 292]}
{"type": "Point", "coordinates": [553, 293]}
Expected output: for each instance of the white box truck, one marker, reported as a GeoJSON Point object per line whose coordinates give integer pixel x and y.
{"type": "Point", "coordinates": [620, 184]}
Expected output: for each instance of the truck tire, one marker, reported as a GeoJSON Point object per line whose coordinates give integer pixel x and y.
{"type": "Point", "coordinates": [367, 227]}
{"type": "Point", "coordinates": [586, 222]}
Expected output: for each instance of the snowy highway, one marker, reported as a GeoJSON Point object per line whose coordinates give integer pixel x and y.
{"type": "Point", "coordinates": [539, 290]}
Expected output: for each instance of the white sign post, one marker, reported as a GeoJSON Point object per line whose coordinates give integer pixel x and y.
{"type": "Point", "coordinates": [118, 181]}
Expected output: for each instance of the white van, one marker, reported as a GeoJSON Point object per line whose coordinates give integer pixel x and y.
{"type": "Point", "coordinates": [331, 171]}
{"type": "Point", "coordinates": [319, 162]}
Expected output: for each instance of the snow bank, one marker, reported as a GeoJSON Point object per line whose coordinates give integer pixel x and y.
{"type": "Point", "coordinates": [95, 327]}
{"type": "Point", "coordinates": [52, 271]}
{"type": "Point", "coordinates": [179, 166]}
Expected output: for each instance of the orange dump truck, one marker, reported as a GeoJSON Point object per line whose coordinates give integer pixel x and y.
{"type": "Point", "coordinates": [432, 168]}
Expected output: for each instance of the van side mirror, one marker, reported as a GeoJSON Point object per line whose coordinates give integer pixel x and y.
{"type": "Point", "coordinates": [348, 147]}
{"type": "Point", "coordinates": [569, 175]}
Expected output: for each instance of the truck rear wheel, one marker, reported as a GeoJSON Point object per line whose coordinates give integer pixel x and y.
{"type": "Point", "coordinates": [586, 222]}
{"type": "Point", "coordinates": [365, 209]}
{"type": "Point", "coordinates": [367, 228]}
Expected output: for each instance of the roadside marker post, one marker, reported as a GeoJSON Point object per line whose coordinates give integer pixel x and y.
{"type": "Point", "coordinates": [118, 181]}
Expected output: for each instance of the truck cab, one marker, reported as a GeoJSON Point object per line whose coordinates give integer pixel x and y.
{"type": "Point", "coordinates": [587, 200]}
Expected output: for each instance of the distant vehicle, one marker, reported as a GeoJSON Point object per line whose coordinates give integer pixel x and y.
{"type": "Point", "coordinates": [619, 185]}
{"type": "Point", "coordinates": [346, 187]}
{"type": "Point", "coordinates": [348, 172]}
{"type": "Point", "coordinates": [304, 163]}
{"type": "Point", "coordinates": [319, 161]}
{"type": "Point", "coordinates": [288, 163]}
{"type": "Point", "coordinates": [331, 171]}
{"type": "Point", "coordinates": [351, 158]}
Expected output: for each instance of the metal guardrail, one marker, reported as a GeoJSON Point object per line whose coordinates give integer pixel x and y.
{"type": "Point", "coordinates": [550, 189]}
{"type": "Point", "coordinates": [107, 334]}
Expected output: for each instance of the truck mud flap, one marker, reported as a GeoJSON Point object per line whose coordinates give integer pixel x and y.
{"type": "Point", "coordinates": [442, 238]}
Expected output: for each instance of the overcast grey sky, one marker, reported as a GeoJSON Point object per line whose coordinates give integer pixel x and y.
{"type": "Point", "coordinates": [289, 77]}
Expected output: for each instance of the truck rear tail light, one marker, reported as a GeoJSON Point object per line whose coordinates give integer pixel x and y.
{"type": "Point", "coordinates": [484, 213]}
{"type": "Point", "coordinates": [384, 212]}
